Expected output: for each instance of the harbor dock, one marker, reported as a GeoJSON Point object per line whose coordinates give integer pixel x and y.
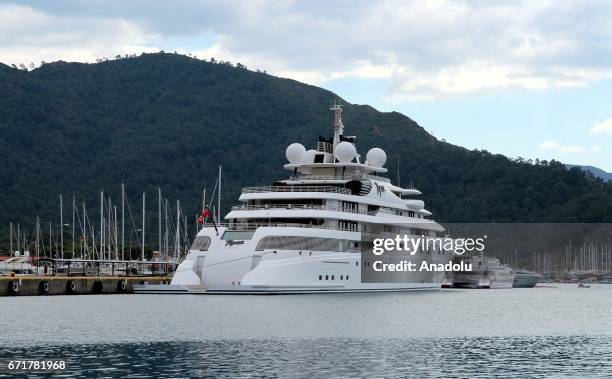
{"type": "Point", "coordinates": [36, 285]}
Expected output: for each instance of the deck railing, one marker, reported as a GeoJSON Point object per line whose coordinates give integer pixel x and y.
{"type": "Point", "coordinates": [341, 177]}
{"type": "Point", "coordinates": [298, 207]}
{"type": "Point", "coordinates": [331, 189]}
{"type": "Point", "coordinates": [252, 226]}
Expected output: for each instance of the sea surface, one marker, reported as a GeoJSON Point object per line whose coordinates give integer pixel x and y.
{"type": "Point", "coordinates": [557, 331]}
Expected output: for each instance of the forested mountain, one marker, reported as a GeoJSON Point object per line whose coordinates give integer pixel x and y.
{"type": "Point", "coordinates": [169, 120]}
{"type": "Point", "coordinates": [596, 171]}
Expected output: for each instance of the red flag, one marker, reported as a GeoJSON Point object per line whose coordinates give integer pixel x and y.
{"type": "Point", "coordinates": [206, 213]}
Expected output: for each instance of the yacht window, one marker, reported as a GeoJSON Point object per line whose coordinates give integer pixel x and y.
{"type": "Point", "coordinates": [347, 277]}
{"type": "Point", "coordinates": [326, 277]}
{"type": "Point", "coordinates": [332, 277]}
{"type": "Point", "coordinates": [320, 277]}
{"type": "Point", "coordinates": [237, 235]}
{"type": "Point", "coordinates": [201, 243]}
{"type": "Point", "coordinates": [302, 243]}
{"type": "Point", "coordinates": [341, 277]}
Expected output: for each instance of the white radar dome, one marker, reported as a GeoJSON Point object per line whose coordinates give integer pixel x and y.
{"type": "Point", "coordinates": [376, 157]}
{"type": "Point", "coordinates": [309, 157]}
{"type": "Point", "coordinates": [295, 153]}
{"type": "Point", "coordinates": [345, 152]}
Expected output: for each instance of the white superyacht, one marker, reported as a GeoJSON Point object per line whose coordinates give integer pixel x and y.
{"type": "Point", "coordinates": [306, 234]}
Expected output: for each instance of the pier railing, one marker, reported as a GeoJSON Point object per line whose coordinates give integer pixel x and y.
{"type": "Point", "coordinates": [87, 267]}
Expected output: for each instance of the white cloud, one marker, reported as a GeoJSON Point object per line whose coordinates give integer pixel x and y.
{"type": "Point", "coordinates": [572, 149]}
{"type": "Point", "coordinates": [548, 145]}
{"type": "Point", "coordinates": [29, 35]}
{"type": "Point", "coordinates": [603, 127]}
{"type": "Point", "coordinates": [425, 49]}
{"type": "Point", "coordinates": [556, 146]}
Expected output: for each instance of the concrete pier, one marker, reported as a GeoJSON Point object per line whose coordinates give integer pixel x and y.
{"type": "Point", "coordinates": [32, 285]}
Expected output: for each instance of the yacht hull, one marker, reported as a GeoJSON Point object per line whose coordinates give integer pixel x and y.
{"type": "Point", "coordinates": [255, 290]}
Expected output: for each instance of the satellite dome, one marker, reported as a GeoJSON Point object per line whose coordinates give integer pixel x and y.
{"type": "Point", "coordinates": [376, 157]}
{"type": "Point", "coordinates": [345, 152]}
{"type": "Point", "coordinates": [309, 156]}
{"type": "Point", "coordinates": [295, 153]}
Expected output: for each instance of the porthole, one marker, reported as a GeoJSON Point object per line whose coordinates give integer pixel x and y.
{"type": "Point", "coordinates": [332, 277]}
{"type": "Point", "coordinates": [326, 277]}
{"type": "Point", "coordinates": [356, 263]}
{"type": "Point", "coordinates": [320, 277]}
{"type": "Point", "coordinates": [341, 277]}
{"type": "Point", "coordinates": [347, 277]}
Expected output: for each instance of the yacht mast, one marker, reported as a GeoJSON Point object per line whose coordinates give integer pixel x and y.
{"type": "Point", "coordinates": [336, 110]}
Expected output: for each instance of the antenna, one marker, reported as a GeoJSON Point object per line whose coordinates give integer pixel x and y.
{"type": "Point", "coordinates": [336, 110]}
{"type": "Point", "coordinates": [398, 170]}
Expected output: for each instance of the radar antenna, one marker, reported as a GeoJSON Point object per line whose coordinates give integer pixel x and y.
{"type": "Point", "coordinates": [336, 110]}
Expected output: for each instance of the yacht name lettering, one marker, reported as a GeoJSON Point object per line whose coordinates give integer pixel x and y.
{"type": "Point", "coordinates": [233, 242]}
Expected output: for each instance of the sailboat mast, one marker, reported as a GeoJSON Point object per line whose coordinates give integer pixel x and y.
{"type": "Point", "coordinates": [122, 221]}
{"type": "Point", "coordinates": [178, 229]}
{"type": "Point", "coordinates": [37, 237]}
{"type": "Point", "coordinates": [116, 240]}
{"type": "Point", "coordinates": [84, 233]}
{"type": "Point", "coordinates": [73, 214]}
{"type": "Point", "coordinates": [61, 226]}
{"type": "Point", "coordinates": [159, 219]}
{"type": "Point", "coordinates": [166, 247]}
{"type": "Point", "coordinates": [142, 252]}
{"type": "Point", "coordinates": [11, 240]}
{"type": "Point", "coordinates": [101, 224]}
{"type": "Point", "coordinates": [219, 199]}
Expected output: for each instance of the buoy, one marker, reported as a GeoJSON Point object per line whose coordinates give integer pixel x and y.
{"type": "Point", "coordinates": [44, 287]}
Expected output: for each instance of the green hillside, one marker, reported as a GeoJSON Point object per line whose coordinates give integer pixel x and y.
{"type": "Point", "coordinates": [169, 120]}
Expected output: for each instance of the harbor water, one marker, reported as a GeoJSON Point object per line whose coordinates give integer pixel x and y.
{"type": "Point", "coordinates": [556, 331]}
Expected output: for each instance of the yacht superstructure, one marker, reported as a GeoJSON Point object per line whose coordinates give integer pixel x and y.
{"type": "Point", "coordinates": [486, 272]}
{"type": "Point", "coordinates": [306, 234]}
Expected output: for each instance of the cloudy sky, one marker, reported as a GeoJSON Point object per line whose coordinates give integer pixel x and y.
{"type": "Point", "coordinates": [523, 78]}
